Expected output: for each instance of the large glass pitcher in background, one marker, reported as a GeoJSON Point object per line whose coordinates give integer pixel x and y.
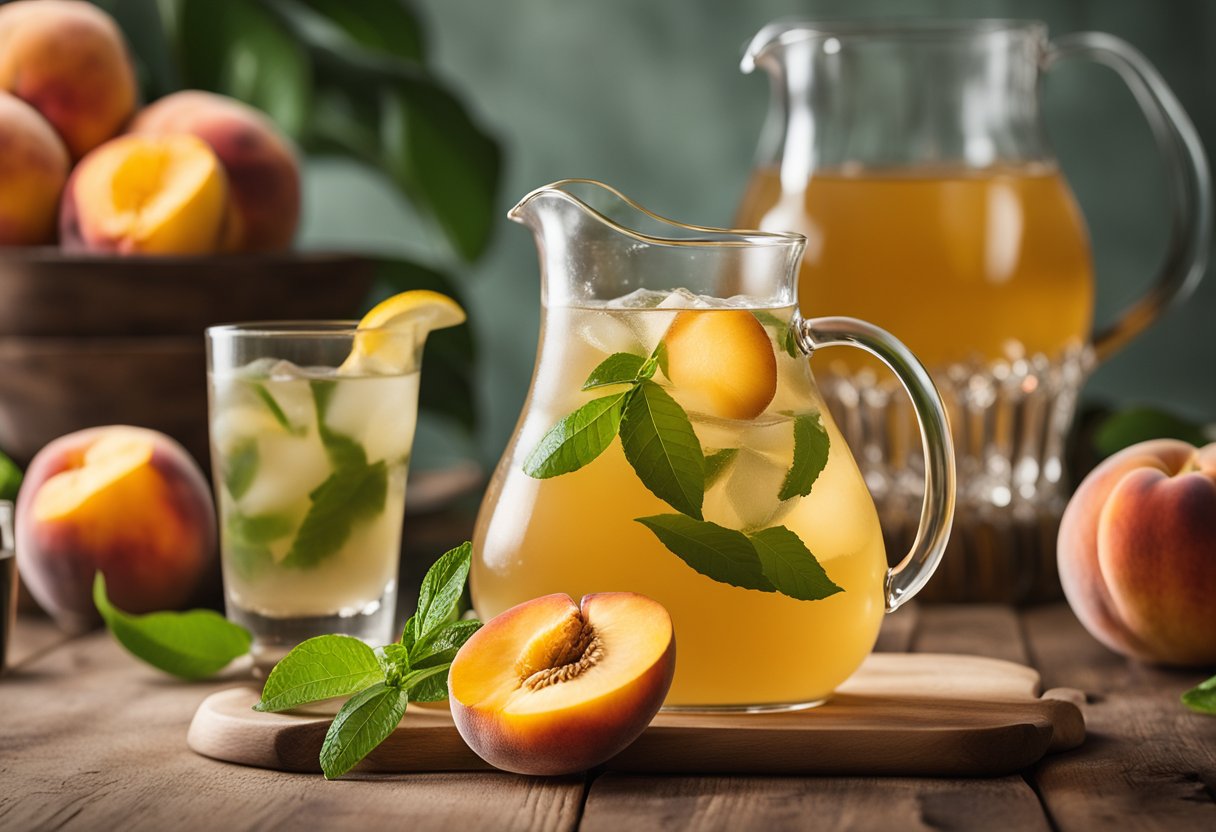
{"type": "Point", "coordinates": [645, 319]}
{"type": "Point", "coordinates": [913, 158]}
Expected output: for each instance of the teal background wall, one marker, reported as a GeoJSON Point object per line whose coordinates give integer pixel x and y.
{"type": "Point", "coordinates": [647, 95]}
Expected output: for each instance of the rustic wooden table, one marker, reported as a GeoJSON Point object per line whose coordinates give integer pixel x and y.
{"type": "Point", "coordinates": [91, 739]}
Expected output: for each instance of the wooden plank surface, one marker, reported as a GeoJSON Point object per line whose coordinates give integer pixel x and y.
{"type": "Point", "coordinates": [89, 739]}
{"type": "Point", "coordinates": [33, 635]}
{"type": "Point", "coordinates": [1148, 764]}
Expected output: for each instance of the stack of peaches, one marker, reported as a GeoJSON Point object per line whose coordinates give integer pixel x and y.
{"type": "Point", "coordinates": [193, 173]}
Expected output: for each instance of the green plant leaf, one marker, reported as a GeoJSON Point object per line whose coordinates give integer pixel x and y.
{"type": "Point", "coordinates": [1202, 697]}
{"type": "Point", "coordinates": [343, 451]}
{"type": "Point", "coordinates": [320, 668]}
{"type": "Point", "coordinates": [260, 528]}
{"type": "Point", "coordinates": [241, 467]}
{"type": "Point", "coordinates": [1140, 424]}
{"type": "Point", "coordinates": [441, 645]}
{"type": "Point", "coordinates": [10, 479]}
{"type": "Point", "coordinates": [717, 463]}
{"type": "Point", "coordinates": [578, 438]}
{"type": "Point", "coordinates": [350, 494]}
{"type": "Point", "coordinates": [147, 35]}
{"type": "Point", "coordinates": [783, 331]}
{"type": "Point", "coordinates": [238, 48]}
{"type": "Point", "coordinates": [190, 645]}
{"type": "Point", "coordinates": [660, 357]}
{"type": "Point", "coordinates": [715, 551]}
{"type": "Point", "coordinates": [790, 566]}
{"type": "Point", "coordinates": [618, 368]}
{"type": "Point", "coordinates": [439, 595]}
{"type": "Point", "coordinates": [810, 456]}
{"type": "Point", "coordinates": [389, 27]}
{"type": "Point", "coordinates": [431, 689]}
{"type": "Point", "coordinates": [250, 560]}
{"type": "Point", "coordinates": [660, 444]}
{"type": "Point", "coordinates": [364, 722]}
{"type": "Point", "coordinates": [272, 405]}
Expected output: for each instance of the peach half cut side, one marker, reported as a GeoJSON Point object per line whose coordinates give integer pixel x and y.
{"type": "Point", "coordinates": [147, 195]}
{"type": "Point", "coordinates": [722, 361]}
{"type": "Point", "coordinates": [553, 687]}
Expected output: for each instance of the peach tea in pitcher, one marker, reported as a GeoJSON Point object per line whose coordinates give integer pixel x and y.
{"type": "Point", "coordinates": [674, 444]}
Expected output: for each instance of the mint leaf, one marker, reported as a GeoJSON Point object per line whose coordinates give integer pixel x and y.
{"type": "Point", "coordinates": [783, 330]}
{"type": "Point", "coordinates": [364, 722]}
{"type": "Point", "coordinates": [1202, 697]}
{"type": "Point", "coordinates": [810, 456]}
{"type": "Point", "coordinates": [660, 444]}
{"type": "Point", "coordinates": [618, 368]}
{"type": "Point", "coordinates": [349, 495]}
{"type": "Point", "coordinates": [10, 478]}
{"type": "Point", "coordinates": [660, 357]}
{"type": "Point", "coordinates": [439, 596]}
{"type": "Point", "coordinates": [717, 463]}
{"type": "Point", "coordinates": [394, 661]}
{"type": "Point", "coordinates": [790, 566]}
{"type": "Point", "coordinates": [260, 528]}
{"type": "Point", "coordinates": [190, 645]}
{"type": "Point", "coordinates": [241, 467]}
{"type": "Point", "coordinates": [249, 560]}
{"type": "Point", "coordinates": [320, 668]}
{"type": "Point", "coordinates": [431, 689]}
{"type": "Point", "coordinates": [273, 406]}
{"type": "Point", "coordinates": [441, 646]}
{"type": "Point", "coordinates": [577, 439]}
{"type": "Point", "coordinates": [715, 551]}
{"type": "Point", "coordinates": [342, 451]}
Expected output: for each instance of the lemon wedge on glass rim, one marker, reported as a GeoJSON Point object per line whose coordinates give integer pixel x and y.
{"type": "Point", "coordinates": [390, 336]}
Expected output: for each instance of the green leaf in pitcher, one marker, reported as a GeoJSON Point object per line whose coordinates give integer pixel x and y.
{"type": "Point", "coordinates": [618, 368]}
{"type": "Point", "coordinates": [715, 551]}
{"type": "Point", "coordinates": [660, 444]}
{"type": "Point", "coordinates": [241, 467]}
{"type": "Point", "coordinates": [349, 495]}
{"type": "Point", "coordinates": [790, 566]}
{"type": "Point", "coordinates": [717, 463]}
{"type": "Point", "coordinates": [577, 439]}
{"type": "Point", "coordinates": [811, 445]}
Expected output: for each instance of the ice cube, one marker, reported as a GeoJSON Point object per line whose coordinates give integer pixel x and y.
{"type": "Point", "coordinates": [638, 299]}
{"type": "Point", "coordinates": [289, 468]}
{"type": "Point", "coordinates": [238, 423]}
{"type": "Point", "coordinates": [751, 489]}
{"type": "Point", "coordinates": [293, 396]}
{"type": "Point", "coordinates": [378, 412]}
{"type": "Point", "coordinates": [607, 332]}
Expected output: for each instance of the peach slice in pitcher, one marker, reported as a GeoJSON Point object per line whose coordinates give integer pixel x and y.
{"type": "Point", "coordinates": [554, 687]}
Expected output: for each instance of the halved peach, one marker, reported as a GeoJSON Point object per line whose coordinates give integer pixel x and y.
{"type": "Point", "coordinates": [146, 195]}
{"type": "Point", "coordinates": [552, 687]}
{"type": "Point", "coordinates": [721, 362]}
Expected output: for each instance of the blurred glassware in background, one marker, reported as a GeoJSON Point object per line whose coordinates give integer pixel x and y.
{"type": "Point", "coordinates": [913, 157]}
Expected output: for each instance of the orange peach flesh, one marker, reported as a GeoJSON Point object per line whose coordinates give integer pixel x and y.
{"type": "Point", "coordinates": [722, 361]}
{"type": "Point", "coordinates": [549, 688]}
{"type": "Point", "coordinates": [163, 195]}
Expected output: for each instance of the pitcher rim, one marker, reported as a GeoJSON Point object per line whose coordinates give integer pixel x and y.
{"type": "Point", "coordinates": [796, 30]}
{"type": "Point", "coordinates": [744, 237]}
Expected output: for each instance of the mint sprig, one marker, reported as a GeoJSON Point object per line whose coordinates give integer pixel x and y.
{"type": "Point", "coordinates": [659, 442]}
{"type": "Point", "coordinates": [381, 683]}
{"type": "Point", "coordinates": [189, 645]}
{"type": "Point", "coordinates": [1202, 698]}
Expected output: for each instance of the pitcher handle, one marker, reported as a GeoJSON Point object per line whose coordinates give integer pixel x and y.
{"type": "Point", "coordinates": [937, 510]}
{"type": "Point", "coordinates": [1191, 232]}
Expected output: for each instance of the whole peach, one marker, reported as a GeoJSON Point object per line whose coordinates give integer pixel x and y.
{"type": "Point", "coordinates": [127, 501]}
{"type": "Point", "coordinates": [67, 59]}
{"type": "Point", "coordinates": [1137, 552]}
{"type": "Point", "coordinates": [263, 172]}
{"type": "Point", "coordinates": [33, 169]}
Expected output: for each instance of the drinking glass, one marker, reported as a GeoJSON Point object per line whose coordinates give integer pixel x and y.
{"type": "Point", "coordinates": [310, 461]}
{"type": "Point", "coordinates": [8, 580]}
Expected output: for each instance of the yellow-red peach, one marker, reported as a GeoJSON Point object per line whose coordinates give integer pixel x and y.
{"type": "Point", "coordinates": [263, 172]}
{"type": "Point", "coordinates": [67, 58]}
{"type": "Point", "coordinates": [127, 501]}
{"type": "Point", "coordinates": [721, 362]}
{"type": "Point", "coordinates": [33, 169]}
{"type": "Point", "coordinates": [555, 687]}
{"type": "Point", "coordinates": [1137, 552]}
{"type": "Point", "coordinates": [146, 195]}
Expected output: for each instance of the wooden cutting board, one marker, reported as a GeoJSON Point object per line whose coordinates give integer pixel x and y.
{"type": "Point", "coordinates": [901, 714]}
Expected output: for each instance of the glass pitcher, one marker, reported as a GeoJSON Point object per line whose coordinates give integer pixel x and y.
{"type": "Point", "coordinates": [913, 158]}
{"type": "Point", "coordinates": [673, 444]}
